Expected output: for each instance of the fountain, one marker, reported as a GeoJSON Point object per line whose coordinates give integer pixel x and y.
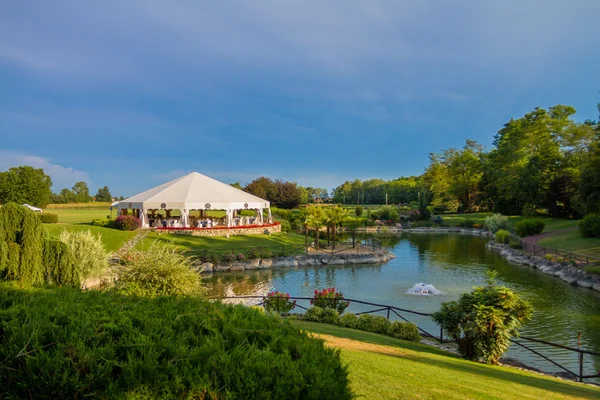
{"type": "Point", "coordinates": [423, 289]}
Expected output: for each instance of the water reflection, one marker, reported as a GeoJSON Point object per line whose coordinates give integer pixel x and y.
{"type": "Point", "coordinates": [453, 264]}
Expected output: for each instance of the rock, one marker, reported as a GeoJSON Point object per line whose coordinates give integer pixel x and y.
{"type": "Point", "coordinates": [569, 279]}
{"type": "Point", "coordinates": [596, 287]}
{"type": "Point", "coordinates": [585, 283]}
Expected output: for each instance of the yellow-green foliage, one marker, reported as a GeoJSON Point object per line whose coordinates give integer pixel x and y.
{"type": "Point", "coordinates": [502, 236]}
{"type": "Point", "coordinates": [64, 343]}
{"type": "Point", "coordinates": [158, 271]}
{"type": "Point", "coordinates": [88, 251]}
{"type": "Point", "coordinates": [61, 269]}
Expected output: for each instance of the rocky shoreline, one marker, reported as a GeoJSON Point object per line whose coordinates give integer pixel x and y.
{"type": "Point", "coordinates": [565, 271]}
{"type": "Point", "coordinates": [307, 260]}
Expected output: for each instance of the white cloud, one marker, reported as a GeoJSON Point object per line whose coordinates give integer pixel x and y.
{"type": "Point", "coordinates": [61, 176]}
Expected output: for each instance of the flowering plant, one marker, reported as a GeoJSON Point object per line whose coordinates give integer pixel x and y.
{"type": "Point", "coordinates": [227, 257]}
{"type": "Point", "coordinates": [240, 257]}
{"type": "Point", "coordinates": [329, 298]}
{"type": "Point", "coordinates": [279, 302]}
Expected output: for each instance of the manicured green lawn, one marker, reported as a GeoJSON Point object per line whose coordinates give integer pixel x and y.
{"type": "Point", "coordinates": [552, 224]}
{"type": "Point", "coordinates": [85, 216]}
{"type": "Point", "coordinates": [385, 368]}
{"type": "Point", "coordinates": [113, 239]}
{"type": "Point", "coordinates": [573, 241]}
{"type": "Point", "coordinates": [193, 245]}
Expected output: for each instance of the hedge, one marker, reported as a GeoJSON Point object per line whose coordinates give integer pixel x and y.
{"type": "Point", "coordinates": [48, 218]}
{"type": "Point", "coordinates": [103, 345]}
{"type": "Point", "coordinates": [529, 227]}
{"type": "Point", "coordinates": [590, 225]}
{"type": "Point", "coordinates": [127, 223]}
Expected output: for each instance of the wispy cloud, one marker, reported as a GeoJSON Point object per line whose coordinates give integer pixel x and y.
{"type": "Point", "coordinates": [61, 176]}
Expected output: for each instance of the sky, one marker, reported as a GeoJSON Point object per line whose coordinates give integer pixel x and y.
{"type": "Point", "coordinates": [131, 94]}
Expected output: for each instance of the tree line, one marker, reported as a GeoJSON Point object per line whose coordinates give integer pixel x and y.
{"type": "Point", "coordinates": [26, 184]}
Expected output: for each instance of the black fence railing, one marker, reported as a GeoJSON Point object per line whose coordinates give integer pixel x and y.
{"type": "Point", "coordinates": [558, 255]}
{"type": "Point", "coordinates": [392, 312]}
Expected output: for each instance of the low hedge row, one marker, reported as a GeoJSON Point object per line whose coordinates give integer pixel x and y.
{"type": "Point", "coordinates": [365, 322]}
{"type": "Point", "coordinates": [529, 227]}
{"type": "Point", "coordinates": [48, 218]}
{"type": "Point", "coordinates": [65, 343]}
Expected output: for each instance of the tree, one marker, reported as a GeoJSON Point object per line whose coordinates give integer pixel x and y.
{"type": "Point", "coordinates": [262, 187]}
{"type": "Point", "coordinates": [336, 217]}
{"type": "Point", "coordinates": [103, 194]}
{"type": "Point", "coordinates": [25, 184]}
{"type": "Point", "coordinates": [287, 194]}
{"type": "Point", "coordinates": [315, 220]}
{"type": "Point", "coordinates": [82, 192]}
{"type": "Point", "coordinates": [236, 185]}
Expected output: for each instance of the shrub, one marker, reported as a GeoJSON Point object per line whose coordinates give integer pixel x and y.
{"type": "Point", "coordinates": [529, 227]}
{"type": "Point", "coordinates": [214, 259]}
{"type": "Point", "coordinates": [496, 222]}
{"type": "Point", "coordinates": [502, 236]}
{"type": "Point", "coordinates": [104, 222]}
{"type": "Point", "coordinates": [158, 271]}
{"type": "Point", "coordinates": [61, 266]}
{"type": "Point", "coordinates": [483, 321]}
{"type": "Point", "coordinates": [348, 320]}
{"type": "Point", "coordinates": [590, 225]}
{"type": "Point", "coordinates": [478, 226]}
{"type": "Point", "coordinates": [515, 244]}
{"type": "Point", "coordinates": [438, 220]}
{"type": "Point", "coordinates": [330, 316]}
{"type": "Point", "coordinates": [127, 223]}
{"type": "Point", "coordinates": [279, 302]}
{"type": "Point", "coordinates": [314, 314]}
{"type": "Point", "coordinates": [329, 298]}
{"type": "Point", "coordinates": [89, 254]}
{"type": "Point", "coordinates": [373, 323]}
{"type": "Point", "coordinates": [286, 226]}
{"type": "Point", "coordinates": [404, 330]}
{"type": "Point", "coordinates": [466, 223]}
{"type": "Point", "coordinates": [358, 211]}
{"type": "Point", "coordinates": [421, 224]}
{"type": "Point", "coordinates": [240, 257]}
{"type": "Point", "coordinates": [48, 218]}
{"type": "Point", "coordinates": [389, 213]}
{"type": "Point", "coordinates": [102, 345]}
{"type": "Point", "coordinates": [265, 253]}
{"type": "Point", "coordinates": [228, 257]}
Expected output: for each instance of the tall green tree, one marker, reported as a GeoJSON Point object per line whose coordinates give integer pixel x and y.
{"type": "Point", "coordinates": [82, 192]}
{"type": "Point", "coordinates": [103, 194]}
{"type": "Point", "coordinates": [25, 184]}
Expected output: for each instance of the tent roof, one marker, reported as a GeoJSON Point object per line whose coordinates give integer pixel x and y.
{"type": "Point", "coordinates": [32, 208]}
{"type": "Point", "coordinates": [194, 191]}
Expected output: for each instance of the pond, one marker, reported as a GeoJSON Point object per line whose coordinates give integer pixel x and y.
{"type": "Point", "coordinates": [453, 264]}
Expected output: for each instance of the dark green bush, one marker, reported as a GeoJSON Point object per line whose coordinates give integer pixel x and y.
{"type": "Point", "coordinates": [372, 323]}
{"type": "Point", "coordinates": [358, 211]}
{"type": "Point", "coordinates": [515, 244]}
{"type": "Point", "coordinates": [286, 226]}
{"type": "Point", "coordinates": [127, 223]}
{"type": "Point", "coordinates": [48, 218]}
{"type": "Point", "coordinates": [101, 345]}
{"type": "Point", "coordinates": [105, 222]}
{"type": "Point", "coordinates": [348, 320]}
{"type": "Point", "coordinates": [404, 330]}
{"type": "Point", "coordinates": [590, 225]}
{"type": "Point", "coordinates": [438, 220]}
{"type": "Point", "coordinates": [330, 316]}
{"type": "Point", "coordinates": [529, 227]}
{"type": "Point", "coordinates": [502, 236]}
{"type": "Point", "coordinates": [466, 223]}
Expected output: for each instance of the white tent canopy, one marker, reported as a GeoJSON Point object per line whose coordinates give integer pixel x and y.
{"type": "Point", "coordinates": [193, 192]}
{"type": "Point", "coordinates": [32, 208]}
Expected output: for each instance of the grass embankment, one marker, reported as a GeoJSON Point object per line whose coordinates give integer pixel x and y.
{"type": "Point", "coordinates": [194, 245]}
{"type": "Point", "coordinates": [81, 219]}
{"type": "Point", "coordinates": [386, 368]}
{"type": "Point", "coordinates": [552, 224]}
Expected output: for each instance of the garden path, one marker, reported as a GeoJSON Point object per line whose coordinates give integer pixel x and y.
{"type": "Point", "coordinates": [536, 238]}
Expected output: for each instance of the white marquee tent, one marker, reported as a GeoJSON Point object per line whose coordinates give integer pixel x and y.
{"type": "Point", "coordinates": [194, 192]}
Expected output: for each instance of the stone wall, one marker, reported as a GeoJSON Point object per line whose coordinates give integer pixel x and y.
{"type": "Point", "coordinates": [565, 271]}
{"type": "Point", "coordinates": [378, 257]}
{"type": "Point", "coordinates": [233, 231]}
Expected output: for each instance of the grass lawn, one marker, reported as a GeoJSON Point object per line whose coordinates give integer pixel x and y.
{"type": "Point", "coordinates": [194, 245]}
{"type": "Point", "coordinates": [573, 241]}
{"type": "Point", "coordinates": [385, 368]}
{"type": "Point", "coordinates": [552, 224]}
{"type": "Point", "coordinates": [79, 206]}
{"type": "Point", "coordinates": [80, 220]}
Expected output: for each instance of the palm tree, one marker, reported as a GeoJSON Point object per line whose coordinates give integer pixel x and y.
{"type": "Point", "coordinates": [315, 221]}
{"type": "Point", "coordinates": [337, 216]}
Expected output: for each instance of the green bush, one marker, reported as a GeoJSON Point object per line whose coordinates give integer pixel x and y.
{"type": "Point", "coordinates": [421, 224]}
{"type": "Point", "coordinates": [529, 227]}
{"type": "Point", "coordinates": [515, 244]}
{"type": "Point", "coordinates": [314, 314]}
{"type": "Point", "coordinates": [158, 271]}
{"type": "Point", "coordinates": [330, 298]}
{"type": "Point", "coordinates": [95, 344]}
{"type": "Point", "coordinates": [286, 226]}
{"type": "Point", "coordinates": [48, 218]}
{"type": "Point", "coordinates": [502, 236]}
{"type": "Point", "coordinates": [483, 321]}
{"type": "Point", "coordinates": [104, 222]}
{"type": "Point", "coordinates": [89, 254]}
{"type": "Point", "coordinates": [466, 223]}
{"type": "Point", "coordinates": [127, 223]}
{"type": "Point", "coordinates": [358, 211]}
{"type": "Point", "coordinates": [496, 222]}
{"type": "Point", "coordinates": [330, 316]}
{"type": "Point", "coordinates": [279, 303]}
{"type": "Point", "coordinates": [404, 330]}
{"type": "Point", "coordinates": [590, 225]}
{"type": "Point", "coordinates": [348, 320]}
{"type": "Point", "coordinates": [372, 323]}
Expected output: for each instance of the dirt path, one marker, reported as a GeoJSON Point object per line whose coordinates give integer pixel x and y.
{"type": "Point", "coordinates": [536, 238]}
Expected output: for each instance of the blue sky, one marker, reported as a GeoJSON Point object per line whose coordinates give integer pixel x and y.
{"type": "Point", "coordinates": [130, 94]}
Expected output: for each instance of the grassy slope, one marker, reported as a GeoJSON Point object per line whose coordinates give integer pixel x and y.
{"type": "Point", "coordinates": [552, 224]}
{"type": "Point", "coordinates": [385, 368]}
{"type": "Point", "coordinates": [79, 220]}
{"type": "Point", "coordinates": [196, 244]}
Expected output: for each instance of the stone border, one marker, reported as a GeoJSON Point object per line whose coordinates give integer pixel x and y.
{"type": "Point", "coordinates": [565, 271]}
{"type": "Point", "coordinates": [306, 260]}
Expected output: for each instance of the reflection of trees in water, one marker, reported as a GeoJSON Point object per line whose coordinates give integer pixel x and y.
{"type": "Point", "coordinates": [255, 283]}
{"type": "Point", "coordinates": [449, 248]}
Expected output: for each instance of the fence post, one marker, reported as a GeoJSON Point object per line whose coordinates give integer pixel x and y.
{"type": "Point", "coordinates": [580, 357]}
{"type": "Point", "coordinates": [441, 333]}
{"type": "Point", "coordinates": [388, 313]}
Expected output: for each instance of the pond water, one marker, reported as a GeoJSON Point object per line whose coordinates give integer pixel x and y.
{"type": "Point", "coordinates": [453, 264]}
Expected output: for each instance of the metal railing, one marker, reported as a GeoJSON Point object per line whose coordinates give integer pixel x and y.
{"type": "Point", "coordinates": [569, 256]}
{"type": "Point", "coordinates": [390, 311]}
